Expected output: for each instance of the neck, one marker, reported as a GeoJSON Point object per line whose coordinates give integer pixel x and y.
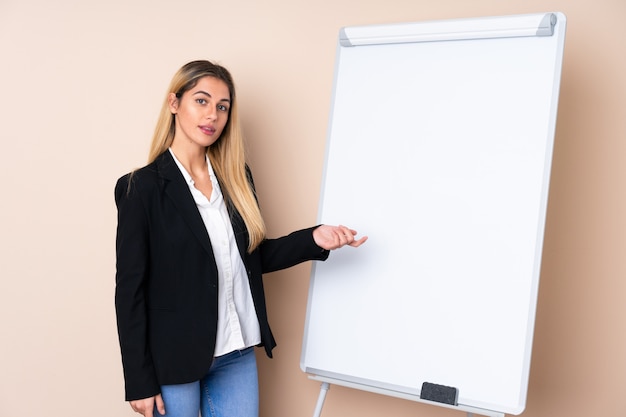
{"type": "Point", "coordinates": [192, 158]}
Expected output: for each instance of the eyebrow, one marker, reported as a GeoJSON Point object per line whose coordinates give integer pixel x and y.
{"type": "Point", "coordinates": [209, 95]}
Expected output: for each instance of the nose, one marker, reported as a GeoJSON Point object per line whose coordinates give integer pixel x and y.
{"type": "Point", "coordinates": [211, 113]}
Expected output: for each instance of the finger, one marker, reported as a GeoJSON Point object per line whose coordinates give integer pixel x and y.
{"type": "Point", "coordinates": [134, 406]}
{"type": "Point", "coordinates": [160, 404]}
{"type": "Point", "coordinates": [344, 229]}
{"type": "Point", "coordinates": [357, 243]}
{"type": "Point", "coordinates": [147, 411]}
{"type": "Point", "coordinates": [346, 239]}
{"type": "Point", "coordinates": [350, 235]}
{"type": "Point", "coordinates": [346, 234]}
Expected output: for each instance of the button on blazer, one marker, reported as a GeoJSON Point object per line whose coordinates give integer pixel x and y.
{"type": "Point", "coordinates": [166, 279]}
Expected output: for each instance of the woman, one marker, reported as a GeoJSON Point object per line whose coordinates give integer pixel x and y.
{"type": "Point", "coordinates": [191, 249]}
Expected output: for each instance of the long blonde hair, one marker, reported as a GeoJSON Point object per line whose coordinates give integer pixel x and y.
{"type": "Point", "coordinates": [227, 154]}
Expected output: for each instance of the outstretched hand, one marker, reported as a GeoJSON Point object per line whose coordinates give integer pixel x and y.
{"type": "Point", "coordinates": [334, 237]}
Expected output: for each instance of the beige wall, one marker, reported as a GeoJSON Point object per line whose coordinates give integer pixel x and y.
{"type": "Point", "coordinates": [81, 84]}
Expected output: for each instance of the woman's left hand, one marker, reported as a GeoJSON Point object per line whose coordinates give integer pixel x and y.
{"type": "Point", "coordinates": [334, 237]}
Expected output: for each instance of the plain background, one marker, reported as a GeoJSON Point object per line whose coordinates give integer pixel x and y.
{"type": "Point", "coordinates": [82, 83]}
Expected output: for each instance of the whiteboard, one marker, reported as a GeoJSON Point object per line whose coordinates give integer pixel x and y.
{"type": "Point", "coordinates": [439, 149]}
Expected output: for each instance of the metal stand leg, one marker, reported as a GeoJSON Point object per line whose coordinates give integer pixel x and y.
{"type": "Point", "coordinates": [320, 400]}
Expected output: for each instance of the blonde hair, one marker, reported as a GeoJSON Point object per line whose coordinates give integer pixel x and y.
{"type": "Point", "coordinates": [227, 154]}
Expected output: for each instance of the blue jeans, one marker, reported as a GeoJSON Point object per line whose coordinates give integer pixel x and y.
{"type": "Point", "coordinates": [230, 389]}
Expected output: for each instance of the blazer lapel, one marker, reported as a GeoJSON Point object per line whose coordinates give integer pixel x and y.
{"type": "Point", "coordinates": [175, 187]}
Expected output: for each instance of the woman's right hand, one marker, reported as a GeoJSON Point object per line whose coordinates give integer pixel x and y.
{"type": "Point", "coordinates": [145, 406]}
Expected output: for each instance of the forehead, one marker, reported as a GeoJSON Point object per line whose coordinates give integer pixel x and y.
{"type": "Point", "coordinates": [215, 87]}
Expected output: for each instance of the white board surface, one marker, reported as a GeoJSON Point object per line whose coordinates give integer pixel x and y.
{"type": "Point", "coordinates": [440, 152]}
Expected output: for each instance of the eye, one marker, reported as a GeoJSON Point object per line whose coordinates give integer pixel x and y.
{"type": "Point", "coordinates": [222, 107]}
{"type": "Point", "coordinates": [201, 101]}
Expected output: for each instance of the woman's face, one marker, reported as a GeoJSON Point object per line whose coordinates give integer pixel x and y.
{"type": "Point", "coordinates": [201, 112]}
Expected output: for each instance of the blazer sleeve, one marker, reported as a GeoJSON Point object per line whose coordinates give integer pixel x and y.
{"type": "Point", "coordinates": [290, 250]}
{"type": "Point", "coordinates": [132, 268]}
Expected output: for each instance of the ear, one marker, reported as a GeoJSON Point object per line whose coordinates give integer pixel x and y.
{"type": "Point", "coordinates": [172, 102]}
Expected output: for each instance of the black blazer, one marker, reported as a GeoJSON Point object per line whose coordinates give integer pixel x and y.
{"type": "Point", "coordinates": [166, 280]}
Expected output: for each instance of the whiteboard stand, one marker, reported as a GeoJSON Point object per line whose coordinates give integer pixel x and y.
{"type": "Point", "coordinates": [320, 400]}
{"type": "Point", "coordinates": [471, 411]}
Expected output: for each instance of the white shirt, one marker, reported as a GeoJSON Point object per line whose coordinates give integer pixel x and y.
{"type": "Point", "coordinates": [237, 323]}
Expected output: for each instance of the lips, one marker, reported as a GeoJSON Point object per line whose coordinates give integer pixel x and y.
{"type": "Point", "coordinates": [207, 130]}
